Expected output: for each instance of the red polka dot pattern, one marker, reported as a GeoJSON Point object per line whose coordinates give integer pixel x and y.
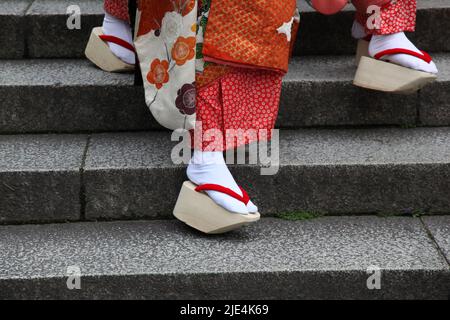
{"type": "Point", "coordinates": [398, 16]}
{"type": "Point", "coordinates": [239, 101]}
{"type": "Point", "coordinates": [117, 8]}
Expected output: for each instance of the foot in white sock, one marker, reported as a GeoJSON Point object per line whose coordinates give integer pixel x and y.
{"type": "Point", "coordinates": [251, 207]}
{"type": "Point", "coordinates": [380, 43]}
{"type": "Point", "coordinates": [113, 26]}
{"type": "Point", "coordinates": [210, 167]}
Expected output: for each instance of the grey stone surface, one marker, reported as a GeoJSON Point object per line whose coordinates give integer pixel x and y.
{"type": "Point", "coordinates": [69, 96]}
{"type": "Point", "coordinates": [131, 175]}
{"type": "Point", "coordinates": [318, 91]}
{"type": "Point", "coordinates": [324, 258]}
{"type": "Point", "coordinates": [439, 226]}
{"type": "Point", "coordinates": [40, 178]}
{"type": "Point", "coordinates": [49, 36]}
{"type": "Point", "coordinates": [12, 26]}
{"type": "Point", "coordinates": [435, 99]}
{"type": "Point", "coordinates": [74, 96]}
{"type": "Point", "coordinates": [366, 146]}
{"type": "Point", "coordinates": [387, 171]}
{"type": "Point", "coordinates": [430, 12]}
{"type": "Point", "coordinates": [330, 171]}
{"type": "Point", "coordinates": [58, 72]}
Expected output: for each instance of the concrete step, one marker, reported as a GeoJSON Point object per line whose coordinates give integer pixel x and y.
{"type": "Point", "coordinates": [37, 29]}
{"type": "Point", "coordinates": [131, 175]}
{"type": "Point", "coordinates": [74, 96]}
{"type": "Point", "coordinates": [327, 258]}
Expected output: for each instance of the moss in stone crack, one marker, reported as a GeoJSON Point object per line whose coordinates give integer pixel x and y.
{"type": "Point", "coordinates": [415, 213]}
{"type": "Point", "coordinates": [389, 214]}
{"type": "Point", "coordinates": [299, 215]}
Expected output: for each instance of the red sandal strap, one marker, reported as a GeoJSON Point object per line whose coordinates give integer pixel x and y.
{"type": "Point", "coordinates": [245, 196]}
{"type": "Point", "coordinates": [216, 187]}
{"type": "Point", "coordinates": [117, 41]}
{"type": "Point", "coordinates": [424, 56]}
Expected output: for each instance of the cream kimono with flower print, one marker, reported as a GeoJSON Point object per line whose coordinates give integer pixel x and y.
{"type": "Point", "coordinates": [166, 46]}
{"type": "Point", "coordinates": [186, 45]}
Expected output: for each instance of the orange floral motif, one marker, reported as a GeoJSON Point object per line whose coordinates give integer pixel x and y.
{"type": "Point", "coordinates": [183, 50]}
{"type": "Point", "coordinates": [159, 73]}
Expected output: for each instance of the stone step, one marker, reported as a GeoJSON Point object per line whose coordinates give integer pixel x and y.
{"type": "Point", "coordinates": [73, 96]}
{"type": "Point", "coordinates": [38, 29]}
{"type": "Point", "coordinates": [48, 178]}
{"type": "Point", "coordinates": [326, 258]}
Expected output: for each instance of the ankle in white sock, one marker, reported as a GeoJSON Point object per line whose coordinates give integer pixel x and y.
{"type": "Point", "coordinates": [210, 167]}
{"type": "Point", "coordinates": [380, 43]}
{"type": "Point", "coordinates": [358, 31]}
{"type": "Point", "coordinates": [116, 27]}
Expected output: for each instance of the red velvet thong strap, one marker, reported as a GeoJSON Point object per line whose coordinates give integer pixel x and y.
{"type": "Point", "coordinates": [424, 56]}
{"type": "Point", "coordinates": [215, 187]}
{"type": "Point", "coordinates": [118, 41]}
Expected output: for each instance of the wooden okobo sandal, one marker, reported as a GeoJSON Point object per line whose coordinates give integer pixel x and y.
{"type": "Point", "coordinates": [100, 54]}
{"type": "Point", "coordinates": [198, 210]}
{"type": "Point", "coordinates": [376, 74]}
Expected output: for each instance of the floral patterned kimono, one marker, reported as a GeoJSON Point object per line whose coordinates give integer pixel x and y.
{"type": "Point", "coordinates": [218, 63]}
{"type": "Point", "coordinates": [221, 62]}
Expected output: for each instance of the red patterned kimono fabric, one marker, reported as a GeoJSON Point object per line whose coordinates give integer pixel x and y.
{"type": "Point", "coordinates": [117, 8]}
{"type": "Point", "coordinates": [245, 33]}
{"type": "Point", "coordinates": [240, 89]}
{"type": "Point", "coordinates": [395, 16]}
{"type": "Point", "coordinates": [247, 58]}
{"type": "Point", "coordinates": [241, 107]}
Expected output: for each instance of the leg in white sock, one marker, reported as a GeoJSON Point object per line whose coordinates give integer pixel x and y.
{"type": "Point", "coordinates": [210, 167]}
{"type": "Point", "coordinates": [380, 43]}
{"type": "Point", "coordinates": [113, 26]}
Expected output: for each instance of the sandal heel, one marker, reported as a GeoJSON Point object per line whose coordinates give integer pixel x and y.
{"type": "Point", "coordinates": [200, 212]}
{"type": "Point", "coordinates": [362, 50]}
{"type": "Point", "coordinates": [388, 77]}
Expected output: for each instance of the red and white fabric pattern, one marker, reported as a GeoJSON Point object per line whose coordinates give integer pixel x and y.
{"type": "Point", "coordinates": [117, 8]}
{"type": "Point", "coordinates": [237, 105]}
{"type": "Point", "coordinates": [395, 15]}
{"type": "Point", "coordinates": [248, 99]}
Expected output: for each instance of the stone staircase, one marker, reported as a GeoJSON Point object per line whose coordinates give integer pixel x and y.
{"type": "Point", "coordinates": [80, 156]}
